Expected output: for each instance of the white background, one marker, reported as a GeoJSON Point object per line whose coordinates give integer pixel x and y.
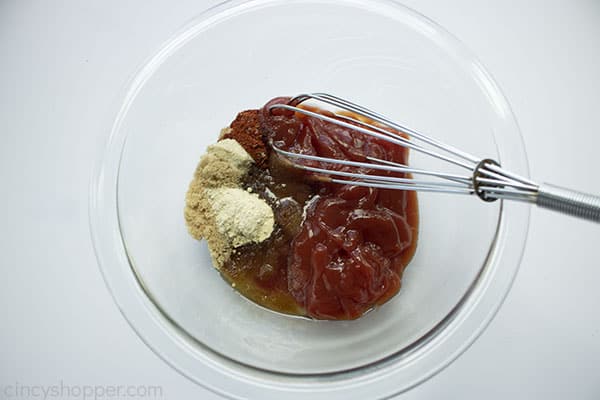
{"type": "Point", "coordinates": [62, 64]}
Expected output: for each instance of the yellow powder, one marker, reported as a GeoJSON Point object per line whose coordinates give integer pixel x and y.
{"type": "Point", "coordinates": [216, 207]}
{"type": "Point", "coordinates": [224, 164]}
{"type": "Point", "coordinates": [241, 216]}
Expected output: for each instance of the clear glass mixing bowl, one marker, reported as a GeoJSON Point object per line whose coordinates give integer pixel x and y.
{"type": "Point", "coordinates": [237, 56]}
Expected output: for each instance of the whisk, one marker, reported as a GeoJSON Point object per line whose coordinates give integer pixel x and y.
{"type": "Point", "coordinates": [484, 177]}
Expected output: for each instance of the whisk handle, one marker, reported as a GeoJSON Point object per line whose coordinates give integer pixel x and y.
{"type": "Point", "coordinates": [569, 202]}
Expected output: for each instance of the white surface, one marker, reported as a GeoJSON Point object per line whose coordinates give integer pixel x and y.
{"type": "Point", "coordinates": [62, 67]}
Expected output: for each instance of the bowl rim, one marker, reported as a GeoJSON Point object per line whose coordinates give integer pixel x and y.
{"type": "Point", "coordinates": [435, 349]}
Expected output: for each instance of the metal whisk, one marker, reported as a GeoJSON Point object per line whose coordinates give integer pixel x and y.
{"type": "Point", "coordinates": [484, 178]}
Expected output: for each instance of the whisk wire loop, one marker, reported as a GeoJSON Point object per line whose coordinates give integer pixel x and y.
{"type": "Point", "coordinates": [486, 178]}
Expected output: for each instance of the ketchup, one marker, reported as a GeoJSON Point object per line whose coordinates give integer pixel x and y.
{"type": "Point", "coordinates": [351, 250]}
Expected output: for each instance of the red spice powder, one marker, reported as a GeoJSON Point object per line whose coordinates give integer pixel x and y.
{"type": "Point", "coordinates": [245, 129]}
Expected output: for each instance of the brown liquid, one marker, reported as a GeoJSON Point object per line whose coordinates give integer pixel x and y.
{"type": "Point", "coordinates": [354, 260]}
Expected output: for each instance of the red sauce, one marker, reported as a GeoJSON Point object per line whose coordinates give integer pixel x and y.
{"type": "Point", "coordinates": [351, 250]}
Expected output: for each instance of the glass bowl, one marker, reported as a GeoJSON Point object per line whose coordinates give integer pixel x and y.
{"type": "Point", "coordinates": [236, 56]}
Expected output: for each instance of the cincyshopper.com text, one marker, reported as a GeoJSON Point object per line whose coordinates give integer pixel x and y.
{"type": "Point", "coordinates": [62, 390]}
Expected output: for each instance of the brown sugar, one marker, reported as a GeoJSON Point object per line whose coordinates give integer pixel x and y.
{"type": "Point", "coordinates": [214, 198]}
{"type": "Point", "coordinates": [245, 129]}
